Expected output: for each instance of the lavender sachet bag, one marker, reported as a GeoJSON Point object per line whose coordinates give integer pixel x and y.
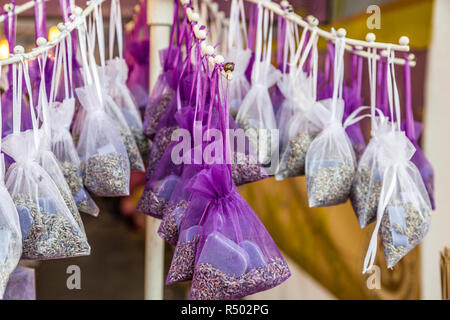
{"type": "Point", "coordinates": [235, 256]}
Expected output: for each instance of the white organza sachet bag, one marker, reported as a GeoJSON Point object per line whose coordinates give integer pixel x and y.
{"type": "Point", "coordinates": [10, 235]}
{"type": "Point", "coordinates": [256, 115]}
{"type": "Point", "coordinates": [367, 183]}
{"type": "Point", "coordinates": [46, 158]}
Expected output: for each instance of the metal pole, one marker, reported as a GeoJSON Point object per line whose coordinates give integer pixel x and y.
{"type": "Point", "coordinates": [159, 20]}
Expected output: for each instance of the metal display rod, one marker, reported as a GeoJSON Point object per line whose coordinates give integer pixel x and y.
{"type": "Point", "coordinates": [19, 9]}
{"type": "Point", "coordinates": [285, 10]}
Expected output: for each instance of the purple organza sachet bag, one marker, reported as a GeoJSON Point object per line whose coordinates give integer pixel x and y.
{"type": "Point", "coordinates": [167, 123]}
{"type": "Point", "coordinates": [235, 256]}
{"type": "Point", "coordinates": [136, 50]}
{"type": "Point", "coordinates": [163, 93]}
{"type": "Point", "coordinates": [190, 219]}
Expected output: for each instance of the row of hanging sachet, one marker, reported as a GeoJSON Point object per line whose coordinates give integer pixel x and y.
{"type": "Point", "coordinates": [317, 118]}
{"type": "Point", "coordinates": [318, 134]}
{"type": "Point", "coordinates": [70, 128]}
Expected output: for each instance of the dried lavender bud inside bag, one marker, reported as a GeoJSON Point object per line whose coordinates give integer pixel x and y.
{"type": "Point", "coordinates": [259, 138]}
{"type": "Point", "coordinates": [210, 283]}
{"type": "Point", "coordinates": [170, 225]}
{"type": "Point", "coordinates": [156, 196]}
{"type": "Point", "coordinates": [160, 109]}
{"type": "Point", "coordinates": [403, 227]}
{"type": "Point", "coordinates": [365, 195]}
{"type": "Point", "coordinates": [182, 266]}
{"type": "Point", "coordinates": [107, 175]}
{"type": "Point", "coordinates": [46, 234]}
{"type": "Point", "coordinates": [245, 169]}
{"type": "Point", "coordinates": [227, 270]}
{"type": "Point", "coordinates": [73, 175]}
{"type": "Point", "coordinates": [161, 142]}
{"type": "Point", "coordinates": [71, 205]}
{"type": "Point", "coordinates": [143, 143]}
{"type": "Point", "coordinates": [134, 156]}
{"type": "Point", "coordinates": [293, 158]}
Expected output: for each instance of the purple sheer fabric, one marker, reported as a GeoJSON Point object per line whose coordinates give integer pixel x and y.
{"type": "Point", "coordinates": [40, 19]}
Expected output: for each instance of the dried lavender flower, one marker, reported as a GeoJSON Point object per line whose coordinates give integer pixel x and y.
{"type": "Point", "coordinates": [330, 183]}
{"type": "Point", "coordinates": [209, 283]}
{"type": "Point", "coordinates": [134, 156]}
{"type": "Point", "coordinates": [182, 266]}
{"type": "Point", "coordinates": [51, 235]}
{"type": "Point", "coordinates": [107, 175]}
{"type": "Point", "coordinates": [245, 169]}
{"type": "Point", "coordinates": [292, 163]}
{"type": "Point", "coordinates": [397, 239]}
{"type": "Point", "coordinates": [71, 205]}
{"type": "Point", "coordinates": [73, 175]}
{"type": "Point", "coordinates": [160, 109]}
{"type": "Point", "coordinates": [259, 139]}
{"type": "Point", "coordinates": [143, 143]}
{"type": "Point", "coordinates": [365, 195]}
